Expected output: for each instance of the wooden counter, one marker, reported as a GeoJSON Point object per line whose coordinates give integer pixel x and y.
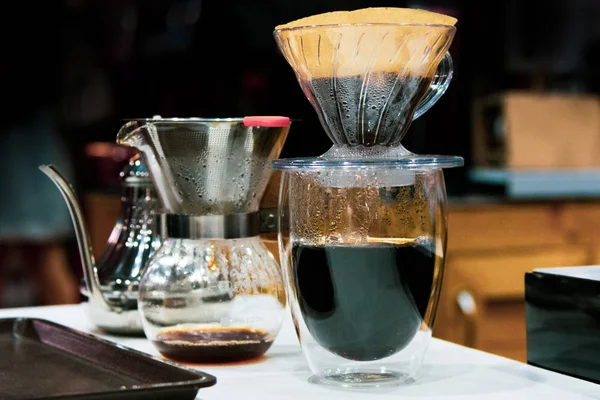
{"type": "Point", "coordinates": [490, 247]}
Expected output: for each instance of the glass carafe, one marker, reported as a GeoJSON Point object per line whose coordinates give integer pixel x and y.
{"type": "Point", "coordinates": [362, 249]}
{"type": "Point", "coordinates": [212, 292]}
{"type": "Point", "coordinates": [208, 300]}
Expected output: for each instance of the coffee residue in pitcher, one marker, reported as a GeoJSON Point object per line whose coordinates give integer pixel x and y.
{"type": "Point", "coordinates": [213, 344]}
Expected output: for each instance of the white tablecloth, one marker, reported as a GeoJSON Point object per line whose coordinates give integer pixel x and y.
{"type": "Point", "coordinates": [450, 372]}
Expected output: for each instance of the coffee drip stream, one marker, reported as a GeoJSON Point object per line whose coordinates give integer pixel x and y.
{"type": "Point", "coordinates": [363, 227]}
{"type": "Point", "coordinates": [212, 292]}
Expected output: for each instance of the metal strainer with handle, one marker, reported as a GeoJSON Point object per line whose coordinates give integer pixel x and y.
{"type": "Point", "coordinates": [208, 166]}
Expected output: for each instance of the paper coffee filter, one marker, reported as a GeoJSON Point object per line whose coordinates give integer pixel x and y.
{"type": "Point", "coordinates": [322, 45]}
{"type": "Point", "coordinates": [338, 51]}
{"type": "Point", "coordinates": [373, 15]}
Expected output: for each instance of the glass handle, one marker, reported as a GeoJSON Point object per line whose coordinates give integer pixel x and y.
{"type": "Point", "coordinates": [439, 84]}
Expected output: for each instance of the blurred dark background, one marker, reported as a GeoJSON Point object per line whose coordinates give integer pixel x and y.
{"type": "Point", "coordinates": [94, 63]}
{"type": "Point", "coordinates": [73, 70]}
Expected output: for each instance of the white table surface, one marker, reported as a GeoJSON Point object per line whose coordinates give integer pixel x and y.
{"type": "Point", "coordinates": [450, 371]}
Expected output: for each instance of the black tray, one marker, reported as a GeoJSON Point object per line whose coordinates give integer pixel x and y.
{"type": "Point", "coordinates": [43, 360]}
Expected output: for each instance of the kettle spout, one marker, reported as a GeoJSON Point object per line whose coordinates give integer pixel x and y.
{"type": "Point", "coordinates": [90, 273]}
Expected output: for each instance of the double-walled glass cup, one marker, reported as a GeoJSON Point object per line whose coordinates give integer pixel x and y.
{"type": "Point", "coordinates": [362, 248]}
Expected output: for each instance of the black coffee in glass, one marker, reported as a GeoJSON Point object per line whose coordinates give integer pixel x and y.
{"type": "Point", "coordinates": [364, 303]}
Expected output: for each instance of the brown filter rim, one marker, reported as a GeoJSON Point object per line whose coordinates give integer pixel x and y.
{"type": "Point", "coordinates": [375, 24]}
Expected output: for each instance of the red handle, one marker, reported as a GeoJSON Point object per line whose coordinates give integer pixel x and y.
{"type": "Point", "coordinates": [267, 121]}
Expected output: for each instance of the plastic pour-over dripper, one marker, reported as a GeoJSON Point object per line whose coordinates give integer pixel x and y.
{"type": "Point", "coordinates": [367, 82]}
